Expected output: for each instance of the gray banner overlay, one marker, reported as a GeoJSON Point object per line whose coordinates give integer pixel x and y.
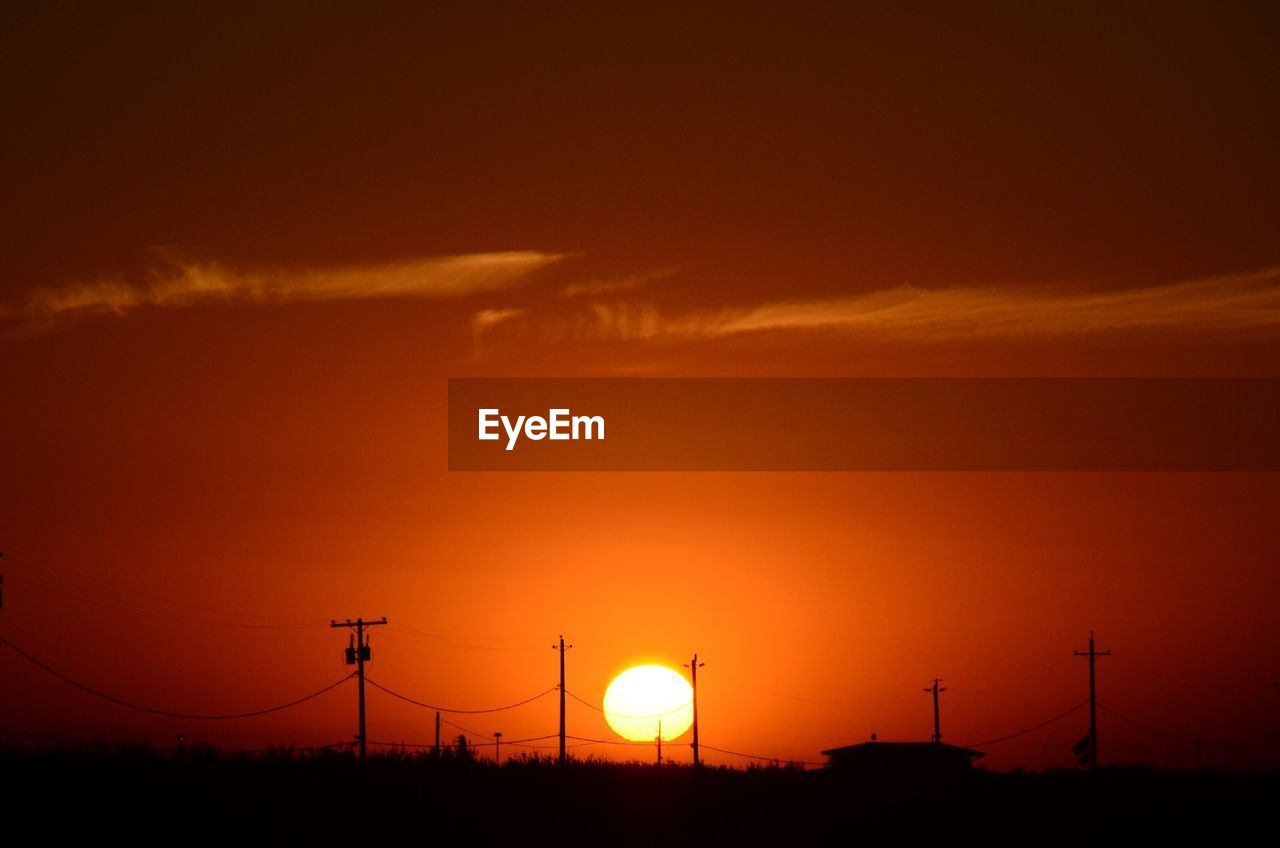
{"type": "Point", "coordinates": [745, 424]}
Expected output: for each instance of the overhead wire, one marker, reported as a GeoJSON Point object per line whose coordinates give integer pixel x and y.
{"type": "Point", "coordinates": [1027, 730]}
{"type": "Point", "coordinates": [757, 756]}
{"type": "Point", "coordinates": [222, 751]}
{"type": "Point", "coordinates": [586, 743]}
{"type": "Point", "coordinates": [625, 715]}
{"type": "Point", "coordinates": [523, 743]}
{"type": "Point", "coordinates": [427, 706]}
{"type": "Point", "coordinates": [272, 621]}
{"type": "Point", "coordinates": [168, 713]}
{"type": "Point", "coordinates": [464, 729]}
{"type": "Point", "coordinates": [100, 590]}
{"type": "Point", "coordinates": [1150, 730]}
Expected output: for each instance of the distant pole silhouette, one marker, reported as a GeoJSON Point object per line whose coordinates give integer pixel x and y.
{"type": "Point", "coordinates": [1093, 700]}
{"type": "Point", "coordinates": [356, 655]}
{"type": "Point", "coordinates": [497, 747]}
{"type": "Point", "coordinates": [659, 741]}
{"type": "Point", "coordinates": [937, 722]}
{"type": "Point", "coordinates": [693, 667]}
{"type": "Point", "coordinates": [437, 734]}
{"type": "Point", "coordinates": [561, 647]}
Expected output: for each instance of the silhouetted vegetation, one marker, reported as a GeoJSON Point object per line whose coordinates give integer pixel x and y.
{"type": "Point", "coordinates": [201, 795]}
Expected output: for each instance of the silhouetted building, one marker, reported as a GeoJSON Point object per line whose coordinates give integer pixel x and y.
{"type": "Point", "coordinates": [902, 760]}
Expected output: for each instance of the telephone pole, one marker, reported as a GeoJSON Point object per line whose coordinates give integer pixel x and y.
{"type": "Point", "coordinates": [358, 654]}
{"type": "Point", "coordinates": [1093, 700]}
{"type": "Point", "coordinates": [437, 734]}
{"type": "Point", "coordinates": [659, 742]}
{"type": "Point", "coordinates": [562, 647]}
{"type": "Point", "coordinates": [937, 723]}
{"type": "Point", "coordinates": [497, 747]}
{"type": "Point", "coordinates": [693, 667]}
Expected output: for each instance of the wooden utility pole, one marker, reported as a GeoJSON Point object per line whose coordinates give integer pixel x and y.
{"type": "Point", "coordinates": [693, 667]}
{"type": "Point", "coordinates": [357, 654]}
{"type": "Point", "coordinates": [562, 647]}
{"type": "Point", "coordinates": [937, 721]}
{"type": "Point", "coordinates": [1093, 700]}
{"type": "Point", "coordinates": [659, 742]}
{"type": "Point", "coordinates": [437, 734]}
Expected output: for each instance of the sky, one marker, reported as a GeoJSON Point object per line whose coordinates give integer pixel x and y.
{"type": "Point", "coordinates": [247, 247]}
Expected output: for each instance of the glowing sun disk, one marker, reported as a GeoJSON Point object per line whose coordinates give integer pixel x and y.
{"type": "Point", "coordinates": [643, 696]}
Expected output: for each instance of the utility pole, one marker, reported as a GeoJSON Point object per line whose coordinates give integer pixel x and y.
{"type": "Point", "coordinates": [357, 654]}
{"type": "Point", "coordinates": [1093, 700]}
{"type": "Point", "coordinates": [937, 723]}
{"type": "Point", "coordinates": [693, 667]}
{"type": "Point", "coordinates": [659, 742]}
{"type": "Point", "coordinates": [437, 734]}
{"type": "Point", "coordinates": [497, 747]}
{"type": "Point", "coordinates": [562, 647]}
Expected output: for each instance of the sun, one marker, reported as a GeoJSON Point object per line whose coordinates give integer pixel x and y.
{"type": "Point", "coordinates": [644, 695]}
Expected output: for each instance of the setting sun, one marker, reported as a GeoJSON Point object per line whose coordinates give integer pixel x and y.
{"type": "Point", "coordinates": [646, 697]}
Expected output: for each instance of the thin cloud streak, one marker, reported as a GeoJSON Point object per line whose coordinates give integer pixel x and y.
{"type": "Point", "coordinates": [1228, 306]}
{"type": "Point", "coordinates": [486, 319]}
{"type": "Point", "coordinates": [614, 285]}
{"type": "Point", "coordinates": [184, 284]}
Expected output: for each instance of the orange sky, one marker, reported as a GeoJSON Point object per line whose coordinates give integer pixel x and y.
{"type": "Point", "coordinates": [245, 255]}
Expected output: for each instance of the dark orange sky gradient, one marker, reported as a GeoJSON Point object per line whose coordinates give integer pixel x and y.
{"type": "Point", "coordinates": [240, 417]}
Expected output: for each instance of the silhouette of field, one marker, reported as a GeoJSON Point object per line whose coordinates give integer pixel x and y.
{"type": "Point", "coordinates": [201, 796]}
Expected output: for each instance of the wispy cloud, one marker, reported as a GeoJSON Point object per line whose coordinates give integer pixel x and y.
{"type": "Point", "coordinates": [486, 319]}
{"type": "Point", "coordinates": [180, 283]}
{"type": "Point", "coordinates": [615, 285]}
{"type": "Point", "coordinates": [1223, 306]}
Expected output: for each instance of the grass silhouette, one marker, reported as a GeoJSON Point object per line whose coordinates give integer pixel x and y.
{"type": "Point", "coordinates": [286, 795]}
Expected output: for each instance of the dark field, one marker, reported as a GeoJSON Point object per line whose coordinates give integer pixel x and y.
{"type": "Point", "coordinates": [200, 796]}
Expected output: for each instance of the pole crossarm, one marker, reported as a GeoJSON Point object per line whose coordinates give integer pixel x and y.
{"type": "Point", "coordinates": [357, 655]}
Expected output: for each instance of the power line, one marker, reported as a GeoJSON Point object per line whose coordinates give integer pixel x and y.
{"type": "Point", "coordinates": [523, 743]}
{"type": "Point", "coordinates": [588, 740]}
{"type": "Point", "coordinates": [466, 729]}
{"type": "Point", "coordinates": [427, 706]}
{"type": "Point", "coordinates": [1150, 730]}
{"type": "Point", "coordinates": [1197, 744]}
{"type": "Point", "coordinates": [66, 740]}
{"type": "Point", "coordinates": [104, 590]}
{"type": "Point", "coordinates": [528, 739]}
{"type": "Point", "coordinates": [1031, 729]}
{"type": "Point", "coordinates": [627, 715]}
{"type": "Point", "coordinates": [861, 702]}
{"type": "Point", "coordinates": [584, 702]}
{"type": "Point", "coordinates": [168, 713]}
{"type": "Point", "coordinates": [758, 757]}
{"type": "Point", "coordinates": [97, 598]}
{"type": "Point", "coordinates": [443, 642]}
